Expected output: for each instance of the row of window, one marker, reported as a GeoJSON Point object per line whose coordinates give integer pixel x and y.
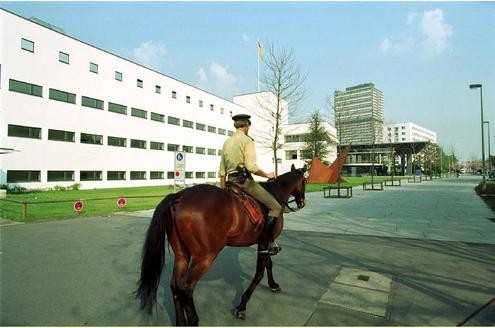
{"type": "Point", "coordinates": [16, 176]}
{"type": "Point", "coordinates": [64, 58]}
{"type": "Point", "coordinates": [97, 139]}
{"type": "Point", "coordinates": [64, 96]}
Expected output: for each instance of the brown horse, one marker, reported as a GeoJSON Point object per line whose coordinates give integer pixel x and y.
{"type": "Point", "coordinates": [199, 222]}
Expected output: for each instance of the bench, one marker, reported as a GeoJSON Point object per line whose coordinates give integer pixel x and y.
{"type": "Point", "coordinates": [416, 179]}
{"type": "Point", "coordinates": [327, 191]}
{"type": "Point", "coordinates": [373, 184]}
{"type": "Point", "coordinates": [392, 183]}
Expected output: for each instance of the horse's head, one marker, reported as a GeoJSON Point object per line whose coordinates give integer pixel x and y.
{"type": "Point", "coordinates": [299, 186]}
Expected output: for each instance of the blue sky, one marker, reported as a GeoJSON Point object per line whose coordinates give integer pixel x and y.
{"type": "Point", "coordinates": [422, 55]}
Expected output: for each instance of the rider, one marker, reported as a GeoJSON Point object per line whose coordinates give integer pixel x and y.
{"type": "Point", "coordinates": [239, 152]}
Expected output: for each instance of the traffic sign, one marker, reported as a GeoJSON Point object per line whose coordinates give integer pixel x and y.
{"type": "Point", "coordinates": [78, 205]}
{"type": "Point", "coordinates": [121, 202]}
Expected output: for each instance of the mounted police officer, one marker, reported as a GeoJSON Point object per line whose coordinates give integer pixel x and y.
{"type": "Point", "coordinates": [237, 163]}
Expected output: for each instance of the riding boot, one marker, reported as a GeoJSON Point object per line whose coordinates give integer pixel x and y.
{"type": "Point", "coordinates": [266, 245]}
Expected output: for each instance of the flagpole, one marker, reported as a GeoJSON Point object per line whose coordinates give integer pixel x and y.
{"type": "Point", "coordinates": [258, 52]}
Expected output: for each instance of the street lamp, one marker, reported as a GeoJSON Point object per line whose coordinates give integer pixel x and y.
{"type": "Point", "coordinates": [489, 154]}
{"type": "Point", "coordinates": [479, 86]}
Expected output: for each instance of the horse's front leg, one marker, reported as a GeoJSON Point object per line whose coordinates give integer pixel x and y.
{"type": "Point", "coordinates": [273, 285]}
{"type": "Point", "coordinates": [261, 262]}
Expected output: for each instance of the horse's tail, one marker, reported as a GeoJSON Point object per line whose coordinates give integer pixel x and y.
{"type": "Point", "coordinates": [153, 257]}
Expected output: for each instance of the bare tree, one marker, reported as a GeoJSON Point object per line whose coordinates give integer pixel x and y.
{"type": "Point", "coordinates": [283, 85]}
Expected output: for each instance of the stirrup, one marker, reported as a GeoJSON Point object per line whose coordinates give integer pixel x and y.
{"type": "Point", "coordinates": [273, 249]}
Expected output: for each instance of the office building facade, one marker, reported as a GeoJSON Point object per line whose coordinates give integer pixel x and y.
{"type": "Point", "coordinates": [408, 132]}
{"type": "Point", "coordinates": [359, 114]}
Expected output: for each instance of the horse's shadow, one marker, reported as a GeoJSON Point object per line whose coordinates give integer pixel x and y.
{"type": "Point", "coordinates": [229, 258]}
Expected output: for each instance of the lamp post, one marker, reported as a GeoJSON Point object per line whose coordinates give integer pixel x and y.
{"type": "Point", "coordinates": [479, 86]}
{"type": "Point", "coordinates": [489, 153]}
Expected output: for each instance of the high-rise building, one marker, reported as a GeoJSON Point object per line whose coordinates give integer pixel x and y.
{"type": "Point", "coordinates": [359, 114]}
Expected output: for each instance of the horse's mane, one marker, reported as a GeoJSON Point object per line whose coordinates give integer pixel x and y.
{"type": "Point", "coordinates": [273, 186]}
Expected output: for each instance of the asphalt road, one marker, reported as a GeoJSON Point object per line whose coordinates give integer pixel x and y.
{"type": "Point", "coordinates": [334, 269]}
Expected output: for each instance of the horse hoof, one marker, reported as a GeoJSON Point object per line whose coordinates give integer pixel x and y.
{"type": "Point", "coordinates": [239, 314]}
{"type": "Point", "coordinates": [277, 290]}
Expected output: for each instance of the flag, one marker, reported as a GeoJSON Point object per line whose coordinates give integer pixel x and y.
{"type": "Point", "coordinates": [260, 49]}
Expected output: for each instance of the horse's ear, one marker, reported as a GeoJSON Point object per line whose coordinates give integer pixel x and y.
{"type": "Point", "coordinates": [292, 168]}
{"type": "Point", "coordinates": [305, 168]}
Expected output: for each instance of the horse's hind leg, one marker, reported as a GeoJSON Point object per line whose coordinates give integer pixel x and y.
{"type": "Point", "coordinates": [180, 267]}
{"type": "Point", "coordinates": [186, 287]}
{"type": "Point", "coordinates": [261, 263]}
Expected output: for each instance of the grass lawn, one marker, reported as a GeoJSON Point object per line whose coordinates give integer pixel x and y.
{"type": "Point", "coordinates": [60, 203]}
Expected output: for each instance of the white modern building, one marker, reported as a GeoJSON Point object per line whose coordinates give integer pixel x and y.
{"type": "Point", "coordinates": [407, 132]}
{"type": "Point", "coordinates": [73, 113]}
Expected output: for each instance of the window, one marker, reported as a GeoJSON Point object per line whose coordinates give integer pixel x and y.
{"type": "Point", "coordinates": [116, 141]}
{"type": "Point", "coordinates": [64, 96]}
{"type": "Point", "coordinates": [173, 120]}
{"type": "Point", "coordinates": [27, 45]}
{"type": "Point", "coordinates": [200, 103]}
{"type": "Point", "coordinates": [91, 102]}
{"type": "Point", "coordinates": [212, 107]}
{"type": "Point", "coordinates": [174, 95]}
{"type": "Point", "coordinates": [139, 83]}
{"type": "Point", "coordinates": [187, 149]}
{"type": "Point", "coordinates": [90, 176]}
{"type": "Point", "coordinates": [170, 175]}
{"type": "Point", "coordinates": [200, 150]}
{"type": "Point", "coordinates": [93, 68]}
{"type": "Point", "coordinates": [200, 126]}
{"type": "Point", "coordinates": [60, 176]}
{"type": "Point", "coordinates": [291, 154]}
{"type": "Point", "coordinates": [135, 143]}
{"type": "Point", "coordinates": [157, 117]}
{"type": "Point", "coordinates": [230, 133]}
{"type": "Point", "coordinates": [138, 175]}
{"type": "Point", "coordinates": [212, 129]}
{"type": "Point", "coordinates": [157, 145]}
{"type": "Point", "coordinates": [212, 175]}
{"type": "Point", "coordinates": [136, 112]}
{"type": "Point", "coordinates": [222, 110]}
{"type": "Point", "coordinates": [63, 57]}
{"type": "Point", "coordinates": [24, 131]}
{"type": "Point", "coordinates": [187, 124]}
{"type": "Point", "coordinates": [60, 135]}
{"type": "Point", "coordinates": [26, 88]}
{"type": "Point", "coordinates": [156, 175]}
{"type": "Point", "coordinates": [94, 139]}
{"type": "Point", "coordinates": [189, 175]}
{"type": "Point", "coordinates": [222, 131]}
{"type": "Point", "coordinates": [158, 89]}
{"type": "Point", "coordinates": [188, 99]}
{"type": "Point", "coordinates": [115, 175]}
{"type": "Point", "coordinates": [172, 147]}
{"type": "Point", "coordinates": [219, 153]}
{"type": "Point", "coordinates": [212, 151]}
{"type": "Point", "coordinates": [200, 175]}
{"type": "Point", "coordinates": [118, 76]}
{"type": "Point", "coordinates": [23, 176]}
{"type": "Point", "coordinates": [116, 108]}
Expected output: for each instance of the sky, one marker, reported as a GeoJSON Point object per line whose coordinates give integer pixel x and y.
{"type": "Point", "coordinates": [421, 55]}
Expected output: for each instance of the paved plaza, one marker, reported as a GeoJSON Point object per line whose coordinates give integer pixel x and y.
{"type": "Point", "coordinates": [419, 254]}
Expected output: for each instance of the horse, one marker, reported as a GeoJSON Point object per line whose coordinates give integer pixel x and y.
{"type": "Point", "coordinates": [199, 222]}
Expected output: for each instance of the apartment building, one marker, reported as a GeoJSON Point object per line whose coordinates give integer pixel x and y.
{"type": "Point", "coordinates": [408, 132]}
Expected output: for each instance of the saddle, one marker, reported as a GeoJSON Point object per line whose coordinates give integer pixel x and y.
{"type": "Point", "coordinates": [254, 210]}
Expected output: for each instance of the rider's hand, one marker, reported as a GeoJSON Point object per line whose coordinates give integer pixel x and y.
{"type": "Point", "coordinates": [270, 176]}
